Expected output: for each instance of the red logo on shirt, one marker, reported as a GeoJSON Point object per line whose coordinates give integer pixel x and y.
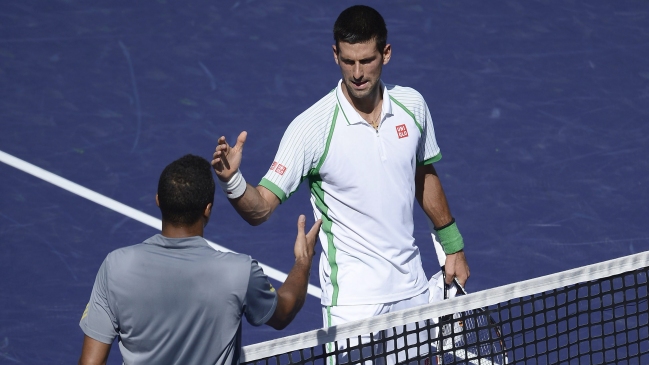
{"type": "Point", "coordinates": [402, 131]}
{"type": "Point", "coordinates": [272, 167]}
{"type": "Point", "coordinates": [280, 169]}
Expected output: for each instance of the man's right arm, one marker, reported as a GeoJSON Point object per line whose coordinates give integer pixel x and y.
{"type": "Point", "coordinates": [292, 294]}
{"type": "Point", "coordinates": [254, 205]}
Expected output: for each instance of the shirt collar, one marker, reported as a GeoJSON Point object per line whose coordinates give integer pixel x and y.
{"type": "Point", "coordinates": [160, 240]}
{"type": "Point", "coordinates": [351, 115]}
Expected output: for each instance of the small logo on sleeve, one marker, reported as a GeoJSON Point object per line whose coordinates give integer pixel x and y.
{"type": "Point", "coordinates": [402, 131]}
{"type": "Point", "coordinates": [85, 312]}
{"type": "Point", "coordinates": [278, 168]}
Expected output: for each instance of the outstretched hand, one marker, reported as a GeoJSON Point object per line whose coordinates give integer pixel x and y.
{"type": "Point", "coordinates": [292, 294]}
{"type": "Point", "coordinates": [226, 158]}
{"type": "Point", "coordinates": [456, 266]}
{"type": "Point", "coordinates": [305, 243]}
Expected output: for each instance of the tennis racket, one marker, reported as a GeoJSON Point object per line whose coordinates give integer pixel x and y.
{"type": "Point", "coordinates": [470, 337]}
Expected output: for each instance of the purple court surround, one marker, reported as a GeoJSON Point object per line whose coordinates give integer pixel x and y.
{"type": "Point", "coordinates": [541, 110]}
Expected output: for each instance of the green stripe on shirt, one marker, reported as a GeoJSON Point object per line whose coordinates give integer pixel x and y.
{"type": "Point", "coordinates": [274, 189]}
{"type": "Point", "coordinates": [318, 194]}
{"type": "Point", "coordinates": [315, 181]}
{"type": "Point", "coordinates": [408, 112]}
{"type": "Point", "coordinates": [431, 160]}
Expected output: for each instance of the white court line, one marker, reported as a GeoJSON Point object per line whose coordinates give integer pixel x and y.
{"type": "Point", "coordinates": [121, 208]}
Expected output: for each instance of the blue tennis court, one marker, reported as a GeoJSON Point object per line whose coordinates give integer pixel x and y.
{"type": "Point", "coordinates": [541, 110]}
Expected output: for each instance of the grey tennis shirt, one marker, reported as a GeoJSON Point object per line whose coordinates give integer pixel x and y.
{"type": "Point", "coordinates": [177, 301]}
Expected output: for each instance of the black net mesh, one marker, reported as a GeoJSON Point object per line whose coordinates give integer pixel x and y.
{"type": "Point", "coordinates": [603, 321]}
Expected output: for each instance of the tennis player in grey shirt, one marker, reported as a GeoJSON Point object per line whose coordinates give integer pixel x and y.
{"type": "Point", "coordinates": [175, 300]}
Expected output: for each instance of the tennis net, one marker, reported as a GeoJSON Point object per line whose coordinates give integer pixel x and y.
{"type": "Point", "coordinates": [596, 314]}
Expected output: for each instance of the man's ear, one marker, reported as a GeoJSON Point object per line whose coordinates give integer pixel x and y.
{"type": "Point", "coordinates": [387, 53]}
{"type": "Point", "coordinates": [335, 53]}
{"type": "Point", "coordinates": [157, 201]}
{"type": "Point", "coordinates": [207, 213]}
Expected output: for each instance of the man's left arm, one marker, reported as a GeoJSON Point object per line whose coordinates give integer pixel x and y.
{"type": "Point", "coordinates": [93, 352]}
{"type": "Point", "coordinates": [431, 197]}
{"type": "Point", "coordinates": [98, 321]}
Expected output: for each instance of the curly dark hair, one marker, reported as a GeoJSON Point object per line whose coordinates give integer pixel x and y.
{"type": "Point", "coordinates": [185, 188]}
{"type": "Point", "coordinates": [360, 23]}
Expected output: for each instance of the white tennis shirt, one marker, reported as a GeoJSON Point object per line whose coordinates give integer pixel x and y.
{"type": "Point", "coordinates": [362, 185]}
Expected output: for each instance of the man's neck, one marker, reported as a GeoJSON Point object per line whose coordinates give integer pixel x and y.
{"type": "Point", "coordinates": [182, 231]}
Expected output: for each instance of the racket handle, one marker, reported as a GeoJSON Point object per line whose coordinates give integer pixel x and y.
{"type": "Point", "coordinates": [459, 286]}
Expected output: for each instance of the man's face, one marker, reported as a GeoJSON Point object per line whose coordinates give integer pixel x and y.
{"type": "Point", "coordinates": [361, 65]}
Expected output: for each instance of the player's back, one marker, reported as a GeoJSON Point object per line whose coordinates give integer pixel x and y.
{"type": "Point", "coordinates": [177, 301]}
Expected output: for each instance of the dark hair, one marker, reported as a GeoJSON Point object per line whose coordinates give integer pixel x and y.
{"type": "Point", "coordinates": [359, 24]}
{"type": "Point", "coordinates": [185, 188]}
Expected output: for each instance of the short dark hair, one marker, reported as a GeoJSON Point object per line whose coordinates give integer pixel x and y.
{"type": "Point", "coordinates": [358, 24]}
{"type": "Point", "coordinates": [185, 188]}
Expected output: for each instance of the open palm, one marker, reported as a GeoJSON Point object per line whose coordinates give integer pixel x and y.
{"type": "Point", "coordinates": [226, 158]}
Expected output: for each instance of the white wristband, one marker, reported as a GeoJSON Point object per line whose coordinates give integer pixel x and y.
{"type": "Point", "coordinates": [235, 187]}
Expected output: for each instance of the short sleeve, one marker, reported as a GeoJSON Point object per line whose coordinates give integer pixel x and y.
{"type": "Point", "coordinates": [427, 151]}
{"type": "Point", "coordinates": [97, 321]}
{"type": "Point", "coordinates": [299, 151]}
{"type": "Point", "coordinates": [261, 297]}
